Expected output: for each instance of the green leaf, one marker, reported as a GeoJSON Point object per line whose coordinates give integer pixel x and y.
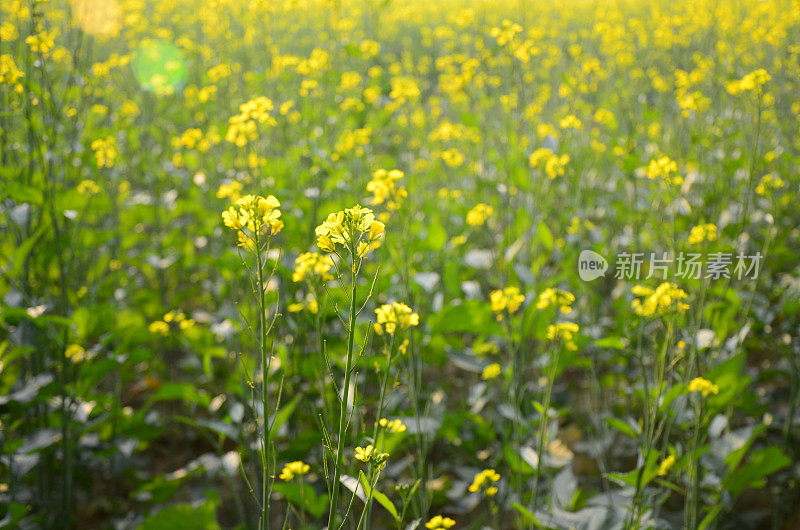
{"type": "Point", "coordinates": [763, 462]}
{"type": "Point", "coordinates": [184, 517]}
{"type": "Point", "coordinates": [306, 499]}
{"type": "Point", "coordinates": [382, 499]}
{"type": "Point", "coordinates": [472, 316]}
{"type": "Point", "coordinates": [614, 343]}
{"type": "Point", "coordinates": [284, 414]}
{"type": "Point", "coordinates": [623, 427]}
{"type": "Point", "coordinates": [526, 514]}
{"type": "Point", "coordinates": [545, 236]}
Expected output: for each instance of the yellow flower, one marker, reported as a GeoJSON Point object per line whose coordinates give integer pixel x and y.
{"type": "Point", "coordinates": [563, 331]}
{"type": "Point", "coordinates": [768, 183]}
{"type": "Point", "coordinates": [354, 228]}
{"type": "Point", "coordinates": [491, 371]}
{"type": "Point", "coordinates": [654, 302]}
{"type": "Point", "coordinates": [230, 190]}
{"type": "Point", "coordinates": [384, 188]}
{"type": "Point", "coordinates": [484, 481]}
{"type": "Point", "coordinates": [159, 327]}
{"type": "Point", "coordinates": [393, 316]}
{"type": "Point", "coordinates": [665, 170]}
{"type": "Point", "coordinates": [75, 353]}
{"type": "Point", "coordinates": [666, 465]}
{"type": "Point", "coordinates": [700, 233]}
{"type": "Point", "coordinates": [453, 157]}
{"type": "Point", "coordinates": [752, 81]}
{"type": "Point", "coordinates": [478, 215]}
{"type": "Point", "coordinates": [438, 523]}
{"type": "Point", "coordinates": [253, 216]}
{"type": "Point", "coordinates": [369, 454]}
{"type": "Point", "coordinates": [88, 187]}
{"type": "Point", "coordinates": [392, 426]}
{"type": "Point", "coordinates": [105, 151]}
{"type": "Point", "coordinates": [243, 127]}
{"type": "Point", "coordinates": [563, 299]}
{"type": "Point", "coordinates": [507, 299]}
{"type": "Point", "coordinates": [293, 469]}
{"type": "Point", "coordinates": [570, 122]}
{"type": "Point", "coordinates": [704, 386]}
{"type": "Point", "coordinates": [312, 263]}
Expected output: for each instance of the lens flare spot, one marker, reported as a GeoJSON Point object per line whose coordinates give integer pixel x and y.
{"type": "Point", "coordinates": [97, 17]}
{"type": "Point", "coordinates": [159, 67]}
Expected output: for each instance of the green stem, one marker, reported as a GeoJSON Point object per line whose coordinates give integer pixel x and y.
{"type": "Point", "coordinates": [262, 317]}
{"type": "Point", "coordinates": [345, 394]}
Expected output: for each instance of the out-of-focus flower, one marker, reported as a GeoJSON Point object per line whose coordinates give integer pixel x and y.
{"type": "Point", "coordinates": [392, 316]}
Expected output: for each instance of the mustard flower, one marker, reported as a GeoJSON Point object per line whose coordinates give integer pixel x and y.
{"type": "Point", "coordinates": [478, 215]}
{"type": "Point", "coordinates": [354, 228]}
{"type": "Point", "coordinates": [384, 188]}
{"type": "Point", "coordinates": [438, 523]}
{"type": "Point", "coordinates": [293, 469]}
{"type": "Point", "coordinates": [704, 232]}
{"type": "Point", "coordinates": [704, 386]}
{"type": "Point", "coordinates": [666, 465]}
{"type": "Point", "coordinates": [491, 371]}
{"type": "Point", "coordinates": [663, 299]}
{"type": "Point", "coordinates": [312, 264]}
{"type": "Point", "coordinates": [562, 299]}
{"type": "Point", "coordinates": [484, 482]}
{"type": "Point", "coordinates": [392, 426]}
{"type": "Point", "coordinates": [254, 216]}
{"type": "Point", "coordinates": [392, 316]}
{"type": "Point", "coordinates": [509, 299]}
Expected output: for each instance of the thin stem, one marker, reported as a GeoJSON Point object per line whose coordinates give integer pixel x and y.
{"type": "Point", "coordinates": [345, 393]}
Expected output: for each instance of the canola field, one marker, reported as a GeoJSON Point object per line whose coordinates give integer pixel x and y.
{"type": "Point", "coordinates": [383, 264]}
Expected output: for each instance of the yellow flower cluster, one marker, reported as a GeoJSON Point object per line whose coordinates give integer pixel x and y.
{"type": "Point", "coordinates": [484, 481]}
{"type": "Point", "coordinates": [453, 157]}
{"type": "Point", "coordinates": [767, 183]}
{"type": "Point", "coordinates": [665, 170]}
{"type": "Point", "coordinates": [10, 74]}
{"type": "Point", "coordinates": [506, 32]}
{"type": "Point", "coordinates": [75, 353]}
{"type": "Point", "coordinates": [253, 216]}
{"type": "Point", "coordinates": [478, 215]}
{"type": "Point", "coordinates": [562, 299]}
{"type": "Point", "coordinates": [354, 228]}
{"type": "Point", "coordinates": [311, 263]}
{"type": "Point", "coordinates": [162, 327]}
{"type": "Point", "coordinates": [392, 426]}
{"type": "Point", "coordinates": [704, 386]}
{"type": "Point", "coordinates": [752, 81]}
{"type": "Point", "coordinates": [564, 331]}
{"type": "Point", "coordinates": [392, 316]}
{"type": "Point", "coordinates": [369, 454]}
{"type": "Point", "coordinates": [384, 188]}
{"type": "Point", "coordinates": [554, 165]}
{"type": "Point", "coordinates": [88, 187]}
{"type": "Point", "coordinates": [653, 302]}
{"type": "Point", "coordinates": [243, 127]}
{"type": "Point", "coordinates": [491, 371]}
{"type": "Point", "coordinates": [438, 522]}
{"type": "Point", "coordinates": [293, 469]}
{"type": "Point", "coordinates": [41, 42]}
{"type": "Point", "coordinates": [666, 465]}
{"type": "Point", "coordinates": [704, 232]}
{"type": "Point", "coordinates": [404, 88]}
{"type": "Point", "coordinates": [105, 151]}
{"type": "Point", "coordinates": [231, 190]}
{"type": "Point", "coordinates": [507, 299]}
